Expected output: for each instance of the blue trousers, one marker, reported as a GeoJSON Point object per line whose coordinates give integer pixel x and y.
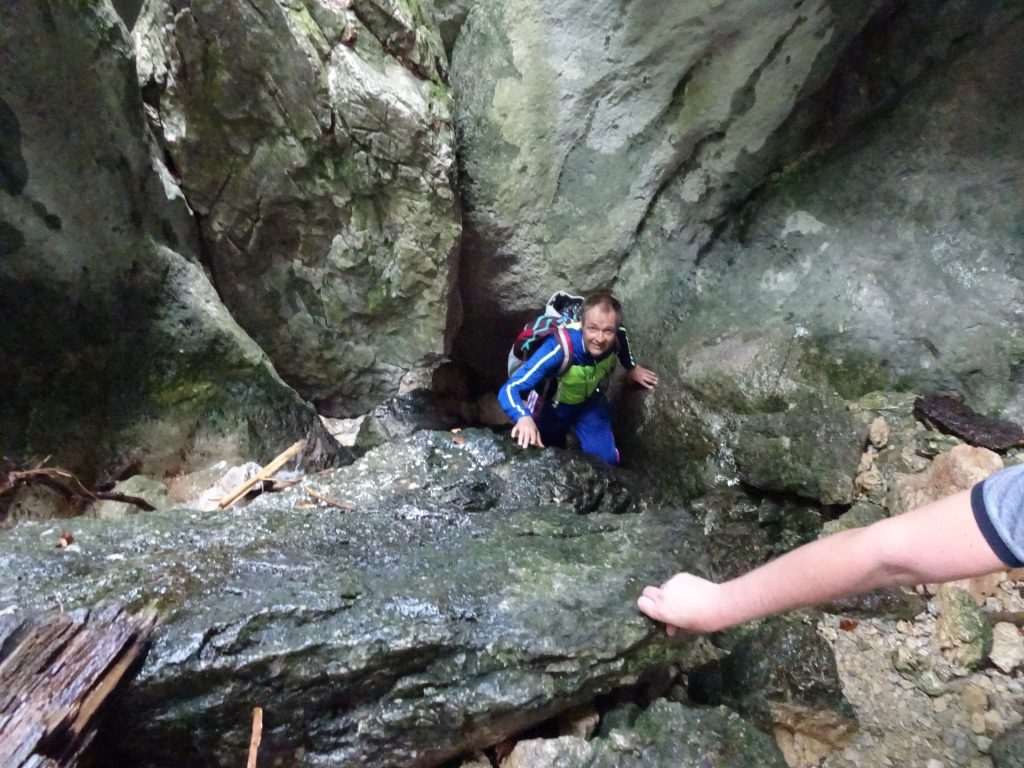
{"type": "Point", "coordinates": [591, 420]}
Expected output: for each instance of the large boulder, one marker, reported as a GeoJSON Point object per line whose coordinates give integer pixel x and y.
{"type": "Point", "coordinates": [313, 141]}
{"type": "Point", "coordinates": [666, 734]}
{"type": "Point", "coordinates": [589, 128]}
{"type": "Point", "coordinates": [782, 674]}
{"type": "Point", "coordinates": [113, 343]}
{"type": "Point", "coordinates": [892, 264]}
{"type": "Point", "coordinates": [468, 591]}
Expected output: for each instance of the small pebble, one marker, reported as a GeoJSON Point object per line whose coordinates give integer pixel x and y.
{"type": "Point", "coordinates": [978, 722]}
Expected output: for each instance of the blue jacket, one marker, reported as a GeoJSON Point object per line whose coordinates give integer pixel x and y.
{"type": "Point", "coordinates": [546, 362]}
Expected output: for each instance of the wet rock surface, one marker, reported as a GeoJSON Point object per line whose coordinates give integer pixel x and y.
{"type": "Point", "coordinates": [473, 590]}
{"type": "Point", "coordinates": [782, 661]}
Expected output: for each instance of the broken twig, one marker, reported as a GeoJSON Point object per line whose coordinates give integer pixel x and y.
{"type": "Point", "coordinates": [66, 484]}
{"type": "Point", "coordinates": [328, 501]}
{"type": "Point", "coordinates": [257, 736]}
{"type": "Point", "coordinates": [262, 475]}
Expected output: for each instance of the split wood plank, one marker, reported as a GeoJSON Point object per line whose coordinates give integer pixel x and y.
{"type": "Point", "coordinates": [59, 669]}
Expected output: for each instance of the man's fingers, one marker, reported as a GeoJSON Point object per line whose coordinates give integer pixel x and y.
{"type": "Point", "coordinates": [648, 604]}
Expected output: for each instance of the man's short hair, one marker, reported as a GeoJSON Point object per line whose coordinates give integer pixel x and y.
{"type": "Point", "coordinates": [603, 299]}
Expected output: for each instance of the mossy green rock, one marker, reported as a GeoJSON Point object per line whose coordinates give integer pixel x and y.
{"type": "Point", "coordinates": [780, 661]}
{"type": "Point", "coordinates": [811, 449]}
{"type": "Point", "coordinates": [962, 629]}
{"type": "Point", "coordinates": [1008, 748]}
{"type": "Point", "coordinates": [474, 590]}
{"type": "Point", "coordinates": [666, 735]}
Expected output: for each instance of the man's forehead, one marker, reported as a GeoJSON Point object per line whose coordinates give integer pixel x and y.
{"type": "Point", "coordinates": [601, 313]}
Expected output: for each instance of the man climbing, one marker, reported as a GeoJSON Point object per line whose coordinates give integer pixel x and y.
{"type": "Point", "coordinates": [578, 402]}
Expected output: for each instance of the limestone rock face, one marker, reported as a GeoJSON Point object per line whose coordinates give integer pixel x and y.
{"type": "Point", "coordinates": [892, 264]}
{"type": "Point", "coordinates": [779, 663]}
{"type": "Point", "coordinates": [313, 142]}
{"type": "Point", "coordinates": [113, 343]}
{"type": "Point", "coordinates": [474, 590]}
{"type": "Point", "coordinates": [576, 119]}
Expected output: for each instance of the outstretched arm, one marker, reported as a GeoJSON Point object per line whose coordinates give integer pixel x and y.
{"type": "Point", "coordinates": [937, 542]}
{"type": "Point", "coordinates": [645, 377]}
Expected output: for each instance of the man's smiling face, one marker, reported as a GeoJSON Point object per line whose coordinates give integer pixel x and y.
{"type": "Point", "coordinates": [599, 326]}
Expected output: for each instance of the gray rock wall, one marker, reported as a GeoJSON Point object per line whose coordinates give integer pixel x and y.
{"type": "Point", "coordinates": [113, 344]}
{"type": "Point", "coordinates": [891, 263]}
{"type": "Point", "coordinates": [313, 142]}
{"type": "Point", "coordinates": [576, 119]}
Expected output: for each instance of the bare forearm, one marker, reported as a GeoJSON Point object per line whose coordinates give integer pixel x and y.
{"type": "Point", "coordinates": [935, 543]}
{"type": "Point", "coordinates": [823, 570]}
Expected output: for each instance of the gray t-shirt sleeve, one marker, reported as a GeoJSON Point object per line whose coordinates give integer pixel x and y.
{"type": "Point", "coordinates": [998, 503]}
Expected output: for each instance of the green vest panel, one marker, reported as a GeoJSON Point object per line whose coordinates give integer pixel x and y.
{"type": "Point", "coordinates": [581, 381]}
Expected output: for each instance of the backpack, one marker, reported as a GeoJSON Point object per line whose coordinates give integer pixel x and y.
{"type": "Point", "coordinates": [562, 308]}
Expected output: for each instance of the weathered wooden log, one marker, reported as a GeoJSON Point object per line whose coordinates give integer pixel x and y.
{"type": "Point", "coordinates": [56, 670]}
{"type": "Point", "coordinates": [950, 414]}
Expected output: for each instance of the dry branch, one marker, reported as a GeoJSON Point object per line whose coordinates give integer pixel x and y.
{"type": "Point", "coordinates": [329, 501]}
{"type": "Point", "coordinates": [279, 461]}
{"type": "Point", "coordinates": [257, 736]}
{"type": "Point", "coordinates": [66, 484]}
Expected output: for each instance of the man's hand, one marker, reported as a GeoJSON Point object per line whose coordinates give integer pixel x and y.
{"type": "Point", "coordinates": [683, 602]}
{"type": "Point", "coordinates": [645, 377]}
{"type": "Point", "coordinates": [525, 433]}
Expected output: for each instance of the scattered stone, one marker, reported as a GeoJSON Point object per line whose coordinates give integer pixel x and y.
{"type": "Point", "coordinates": [982, 587]}
{"type": "Point", "coordinates": [1007, 749]}
{"type": "Point", "coordinates": [951, 472]}
{"type": "Point", "coordinates": [1007, 647]}
{"type": "Point", "coordinates": [878, 433]}
{"type": "Point", "coordinates": [580, 722]}
{"type": "Point", "coordinates": [975, 699]}
{"type": "Point", "coordinates": [951, 414]}
{"type": "Point", "coordinates": [917, 672]}
{"type": "Point", "coordinates": [978, 722]}
{"type": "Point", "coordinates": [478, 760]}
{"type": "Point", "coordinates": [343, 430]}
{"type": "Point", "coordinates": [806, 735]}
{"type": "Point", "coordinates": [962, 629]}
{"type": "Point", "coordinates": [140, 486]}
